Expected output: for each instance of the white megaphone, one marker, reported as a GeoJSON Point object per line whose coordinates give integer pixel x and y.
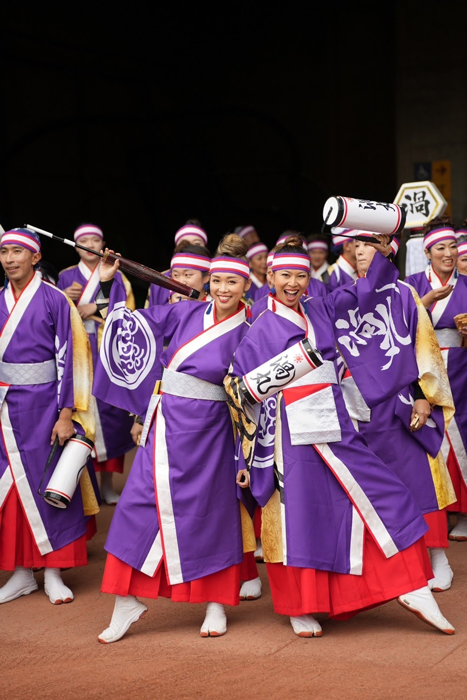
{"type": "Point", "coordinates": [67, 472]}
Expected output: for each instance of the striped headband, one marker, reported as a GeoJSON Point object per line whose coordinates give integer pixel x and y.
{"type": "Point", "coordinates": [462, 249]}
{"type": "Point", "coordinates": [190, 230]}
{"type": "Point", "coordinates": [270, 259]}
{"type": "Point", "coordinates": [190, 261]}
{"type": "Point", "coordinates": [22, 237]}
{"type": "Point", "coordinates": [88, 230]}
{"type": "Point", "coordinates": [230, 266]}
{"type": "Point", "coordinates": [243, 231]}
{"type": "Point", "coordinates": [318, 245]}
{"type": "Point", "coordinates": [256, 249]}
{"type": "Point", "coordinates": [291, 261]}
{"type": "Point", "coordinates": [395, 245]}
{"type": "Point", "coordinates": [461, 232]}
{"type": "Point", "coordinates": [341, 235]}
{"type": "Point", "coordinates": [438, 235]}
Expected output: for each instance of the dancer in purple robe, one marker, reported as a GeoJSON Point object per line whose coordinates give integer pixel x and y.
{"type": "Point", "coordinates": [406, 430]}
{"type": "Point", "coordinates": [45, 374]}
{"type": "Point", "coordinates": [318, 250]}
{"type": "Point", "coordinates": [189, 234]}
{"type": "Point", "coordinates": [444, 292]}
{"type": "Point", "coordinates": [81, 283]}
{"type": "Point", "coordinates": [344, 270]}
{"type": "Point", "coordinates": [342, 533]}
{"type": "Point", "coordinates": [177, 528]}
{"type": "Point", "coordinates": [258, 257]}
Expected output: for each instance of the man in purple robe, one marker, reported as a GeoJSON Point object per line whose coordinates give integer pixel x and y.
{"type": "Point", "coordinates": [81, 283]}
{"type": "Point", "coordinates": [45, 375]}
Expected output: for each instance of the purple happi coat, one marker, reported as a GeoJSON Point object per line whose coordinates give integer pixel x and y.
{"type": "Point", "coordinates": [180, 501]}
{"type": "Point", "coordinates": [454, 356]}
{"type": "Point", "coordinates": [37, 331]}
{"type": "Point", "coordinates": [113, 425]}
{"type": "Point", "coordinates": [257, 290]}
{"type": "Point", "coordinates": [342, 273]}
{"type": "Point", "coordinates": [385, 426]}
{"type": "Point", "coordinates": [331, 485]}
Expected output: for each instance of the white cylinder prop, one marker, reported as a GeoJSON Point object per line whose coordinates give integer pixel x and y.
{"type": "Point", "coordinates": [364, 215]}
{"type": "Point", "coordinates": [67, 472]}
{"type": "Point", "coordinates": [280, 371]}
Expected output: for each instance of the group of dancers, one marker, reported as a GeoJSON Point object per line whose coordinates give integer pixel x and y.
{"type": "Point", "coordinates": [325, 404]}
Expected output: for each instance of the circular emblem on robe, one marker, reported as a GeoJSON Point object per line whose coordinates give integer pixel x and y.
{"type": "Point", "coordinates": [128, 347]}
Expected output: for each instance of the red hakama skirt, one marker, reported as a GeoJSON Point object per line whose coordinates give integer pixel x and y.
{"type": "Point", "coordinates": [460, 506]}
{"type": "Point", "coordinates": [112, 466]}
{"type": "Point", "coordinates": [437, 535]}
{"type": "Point", "coordinates": [121, 579]}
{"type": "Point", "coordinates": [296, 591]}
{"type": "Point", "coordinates": [18, 547]}
{"type": "Point", "coordinates": [248, 568]}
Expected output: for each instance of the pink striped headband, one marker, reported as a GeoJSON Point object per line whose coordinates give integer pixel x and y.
{"type": "Point", "coordinates": [190, 230]}
{"type": "Point", "coordinates": [190, 261]}
{"type": "Point", "coordinates": [88, 230]}
{"type": "Point", "coordinates": [256, 249]}
{"type": "Point", "coordinates": [245, 230]}
{"type": "Point", "coordinates": [438, 235]}
{"type": "Point", "coordinates": [270, 259]}
{"type": "Point", "coordinates": [291, 261]}
{"type": "Point", "coordinates": [230, 266]}
{"type": "Point", "coordinates": [318, 245]}
{"type": "Point", "coordinates": [461, 232]}
{"type": "Point", "coordinates": [462, 249]}
{"type": "Point", "coordinates": [341, 235]}
{"type": "Point", "coordinates": [22, 237]}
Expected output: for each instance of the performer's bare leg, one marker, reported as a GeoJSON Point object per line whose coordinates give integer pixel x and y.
{"type": "Point", "coordinates": [442, 571]}
{"type": "Point", "coordinates": [127, 610]}
{"type": "Point", "coordinates": [215, 622]}
{"type": "Point", "coordinates": [55, 588]}
{"type": "Point", "coordinates": [109, 495]}
{"type": "Point", "coordinates": [306, 626]}
{"type": "Point", "coordinates": [459, 532]}
{"type": "Point", "coordinates": [22, 582]}
{"type": "Point", "coordinates": [422, 603]}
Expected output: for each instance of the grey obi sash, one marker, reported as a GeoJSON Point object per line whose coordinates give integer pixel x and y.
{"type": "Point", "coordinates": [448, 337]}
{"type": "Point", "coordinates": [189, 387]}
{"type": "Point", "coordinates": [313, 419]}
{"type": "Point", "coordinates": [23, 374]}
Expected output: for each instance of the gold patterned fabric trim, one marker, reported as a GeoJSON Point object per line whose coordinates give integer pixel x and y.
{"type": "Point", "coordinates": [434, 382]}
{"type": "Point", "coordinates": [271, 530]}
{"type": "Point", "coordinates": [248, 530]}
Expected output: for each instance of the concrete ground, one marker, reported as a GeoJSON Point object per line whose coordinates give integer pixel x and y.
{"type": "Point", "coordinates": [52, 652]}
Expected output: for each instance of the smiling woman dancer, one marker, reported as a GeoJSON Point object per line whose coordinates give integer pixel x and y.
{"type": "Point", "coordinates": [177, 530]}
{"type": "Point", "coordinates": [444, 292]}
{"type": "Point", "coordinates": [342, 533]}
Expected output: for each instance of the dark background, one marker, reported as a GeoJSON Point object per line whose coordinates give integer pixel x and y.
{"type": "Point", "coordinates": [233, 114]}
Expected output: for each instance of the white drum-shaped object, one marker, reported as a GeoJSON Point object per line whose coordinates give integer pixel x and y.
{"type": "Point", "coordinates": [364, 215]}
{"type": "Point", "coordinates": [67, 472]}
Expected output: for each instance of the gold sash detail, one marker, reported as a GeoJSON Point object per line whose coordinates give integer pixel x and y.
{"type": "Point", "coordinates": [248, 530]}
{"type": "Point", "coordinates": [434, 382]}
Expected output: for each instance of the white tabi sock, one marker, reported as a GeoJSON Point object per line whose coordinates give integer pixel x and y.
{"type": "Point", "coordinates": [108, 494]}
{"type": "Point", "coordinates": [251, 590]}
{"type": "Point", "coordinates": [127, 610]}
{"type": "Point", "coordinates": [22, 582]}
{"type": "Point", "coordinates": [306, 626]}
{"type": "Point", "coordinates": [422, 603]}
{"type": "Point", "coordinates": [215, 622]}
{"type": "Point", "coordinates": [459, 532]}
{"type": "Point", "coordinates": [259, 551]}
{"type": "Point", "coordinates": [443, 574]}
{"type": "Point", "coordinates": [55, 588]}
